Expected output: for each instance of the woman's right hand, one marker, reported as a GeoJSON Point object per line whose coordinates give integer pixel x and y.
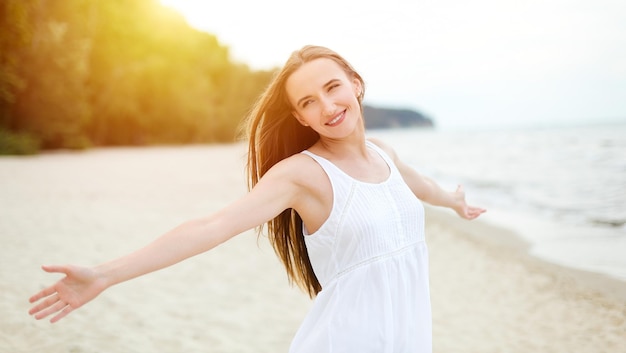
{"type": "Point", "coordinates": [79, 286]}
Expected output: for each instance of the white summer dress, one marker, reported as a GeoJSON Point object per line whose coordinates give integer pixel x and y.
{"type": "Point", "coordinates": [371, 260]}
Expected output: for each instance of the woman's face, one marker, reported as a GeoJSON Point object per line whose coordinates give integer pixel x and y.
{"type": "Point", "coordinates": [324, 98]}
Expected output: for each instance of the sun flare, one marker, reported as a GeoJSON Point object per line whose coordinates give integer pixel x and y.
{"type": "Point", "coordinates": [194, 11]}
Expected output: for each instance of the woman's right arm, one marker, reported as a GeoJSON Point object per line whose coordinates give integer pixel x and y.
{"type": "Point", "coordinates": [275, 192]}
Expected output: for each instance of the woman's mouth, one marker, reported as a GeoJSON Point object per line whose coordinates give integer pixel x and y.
{"type": "Point", "coordinates": [337, 120]}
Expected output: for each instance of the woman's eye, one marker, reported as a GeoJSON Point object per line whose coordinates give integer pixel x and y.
{"type": "Point", "coordinates": [306, 103]}
{"type": "Point", "coordinates": [333, 87]}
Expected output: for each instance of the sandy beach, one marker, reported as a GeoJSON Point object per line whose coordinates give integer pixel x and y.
{"type": "Point", "coordinates": [488, 295]}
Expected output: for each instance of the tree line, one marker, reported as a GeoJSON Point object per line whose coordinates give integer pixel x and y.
{"type": "Point", "coordinates": [81, 73]}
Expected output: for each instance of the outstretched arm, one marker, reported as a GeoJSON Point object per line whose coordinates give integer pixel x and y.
{"type": "Point", "coordinates": [429, 191]}
{"type": "Point", "coordinates": [82, 284]}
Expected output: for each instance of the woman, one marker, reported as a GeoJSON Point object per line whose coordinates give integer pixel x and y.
{"type": "Point", "coordinates": [343, 213]}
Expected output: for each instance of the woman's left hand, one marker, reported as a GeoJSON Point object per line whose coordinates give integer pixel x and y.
{"type": "Point", "coordinates": [462, 208]}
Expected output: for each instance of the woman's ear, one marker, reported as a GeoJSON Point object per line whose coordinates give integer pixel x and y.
{"type": "Point", "coordinates": [358, 88]}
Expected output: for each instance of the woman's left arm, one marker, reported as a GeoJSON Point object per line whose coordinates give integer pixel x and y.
{"type": "Point", "coordinates": [429, 191]}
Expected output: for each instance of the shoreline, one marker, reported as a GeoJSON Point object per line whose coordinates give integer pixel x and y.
{"type": "Point", "coordinates": [519, 248]}
{"type": "Point", "coordinates": [549, 185]}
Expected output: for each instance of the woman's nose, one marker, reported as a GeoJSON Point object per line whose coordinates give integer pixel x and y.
{"type": "Point", "coordinates": [328, 107]}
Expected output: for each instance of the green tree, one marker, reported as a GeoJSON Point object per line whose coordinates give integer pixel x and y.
{"type": "Point", "coordinates": [116, 72]}
{"type": "Point", "coordinates": [49, 101]}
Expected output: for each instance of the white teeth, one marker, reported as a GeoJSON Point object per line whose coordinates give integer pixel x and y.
{"type": "Point", "coordinates": [335, 119]}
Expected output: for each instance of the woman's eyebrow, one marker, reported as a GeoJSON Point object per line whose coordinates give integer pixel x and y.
{"type": "Point", "coordinates": [331, 81]}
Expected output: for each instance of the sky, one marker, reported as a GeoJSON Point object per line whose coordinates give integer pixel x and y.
{"type": "Point", "coordinates": [479, 64]}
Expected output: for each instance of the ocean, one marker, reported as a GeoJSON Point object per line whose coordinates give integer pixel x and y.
{"type": "Point", "coordinates": [563, 190]}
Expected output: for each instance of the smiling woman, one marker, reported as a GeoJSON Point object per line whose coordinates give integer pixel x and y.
{"type": "Point", "coordinates": [347, 224]}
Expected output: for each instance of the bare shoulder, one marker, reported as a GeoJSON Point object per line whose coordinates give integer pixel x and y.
{"type": "Point", "coordinates": [385, 147]}
{"type": "Point", "coordinates": [309, 186]}
{"type": "Point", "coordinates": [300, 169]}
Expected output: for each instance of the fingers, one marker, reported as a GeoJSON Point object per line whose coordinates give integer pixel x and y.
{"type": "Point", "coordinates": [57, 306]}
{"type": "Point", "coordinates": [68, 309]}
{"type": "Point", "coordinates": [52, 302]}
{"type": "Point", "coordinates": [468, 212]}
{"type": "Point", "coordinates": [44, 304]}
{"type": "Point", "coordinates": [42, 294]}
{"type": "Point", "coordinates": [49, 306]}
{"type": "Point", "coordinates": [472, 215]}
{"type": "Point", "coordinates": [473, 212]}
{"type": "Point", "coordinates": [50, 290]}
{"type": "Point", "coordinates": [55, 269]}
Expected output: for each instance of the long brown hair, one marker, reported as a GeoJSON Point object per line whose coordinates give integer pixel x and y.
{"type": "Point", "coordinates": [274, 134]}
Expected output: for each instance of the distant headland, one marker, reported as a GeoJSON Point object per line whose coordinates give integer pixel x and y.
{"type": "Point", "coordinates": [385, 118]}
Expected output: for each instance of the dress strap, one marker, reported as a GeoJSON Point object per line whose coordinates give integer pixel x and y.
{"type": "Point", "coordinates": [329, 167]}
